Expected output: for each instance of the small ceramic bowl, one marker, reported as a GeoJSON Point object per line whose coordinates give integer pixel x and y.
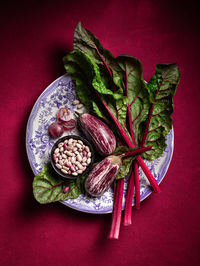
{"type": "Point", "coordinates": [53, 162]}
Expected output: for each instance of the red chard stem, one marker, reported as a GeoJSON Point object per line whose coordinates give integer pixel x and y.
{"type": "Point", "coordinates": [148, 174]}
{"type": "Point", "coordinates": [130, 125]}
{"type": "Point", "coordinates": [117, 210]}
{"type": "Point", "coordinates": [137, 185]}
{"type": "Point", "coordinates": [109, 71]}
{"type": "Point", "coordinates": [136, 152]}
{"type": "Point", "coordinates": [130, 145]}
{"type": "Point", "coordinates": [147, 127]}
{"type": "Point", "coordinates": [117, 124]}
{"type": "Point", "coordinates": [146, 131]}
{"type": "Point", "coordinates": [129, 199]}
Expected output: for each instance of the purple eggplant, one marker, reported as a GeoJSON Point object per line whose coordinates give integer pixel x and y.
{"type": "Point", "coordinates": [98, 133]}
{"type": "Point", "coordinates": [102, 175]}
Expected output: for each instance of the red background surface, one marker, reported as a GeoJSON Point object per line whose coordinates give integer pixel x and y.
{"type": "Point", "coordinates": [34, 37]}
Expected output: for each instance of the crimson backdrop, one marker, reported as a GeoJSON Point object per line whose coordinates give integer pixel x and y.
{"type": "Point", "coordinates": [34, 37]}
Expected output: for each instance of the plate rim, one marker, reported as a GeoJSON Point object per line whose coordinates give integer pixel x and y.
{"type": "Point", "coordinates": [37, 101]}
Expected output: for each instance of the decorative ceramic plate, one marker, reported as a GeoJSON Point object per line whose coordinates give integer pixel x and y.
{"type": "Point", "coordinates": [59, 94]}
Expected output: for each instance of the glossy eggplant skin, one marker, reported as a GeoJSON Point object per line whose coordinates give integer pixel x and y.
{"type": "Point", "coordinates": [98, 133]}
{"type": "Point", "coordinates": [102, 176]}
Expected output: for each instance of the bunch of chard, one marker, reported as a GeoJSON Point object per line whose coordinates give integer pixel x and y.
{"type": "Point", "coordinates": [140, 113]}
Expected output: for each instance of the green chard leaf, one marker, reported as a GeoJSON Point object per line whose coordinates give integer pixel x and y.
{"type": "Point", "coordinates": [125, 168]}
{"type": "Point", "coordinates": [122, 149]}
{"type": "Point", "coordinates": [87, 42]}
{"type": "Point", "coordinates": [162, 88]}
{"type": "Point", "coordinates": [116, 84]}
{"type": "Point", "coordinates": [48, 187]}
{"type": "Point", "coordinates": [136, 92]}
{"type": "Point", "coordinates": [91, 89]}
{"type": "Point", "coordinates": [126, 163]}
{"type": "Point", "coordinates": [110, 70]}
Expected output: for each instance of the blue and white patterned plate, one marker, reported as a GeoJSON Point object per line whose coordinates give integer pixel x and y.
{"type": "Point", "coordinates": [59, 94]}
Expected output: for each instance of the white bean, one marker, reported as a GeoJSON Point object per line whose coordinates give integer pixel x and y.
{"type": "Point", "coordinates": [60, 144]}
{"type": "Point", "coordinates": [84, 159]}
{"type": "Point", "coordinates": [89, 154]}
{"type": "Point", "coordinates": [73, 159]}
{"type": "Point", "coordinates": [56, 150]}
{"type": "Point", "coordinates": [79, 166]}
{"type": "Point", "coordinates": [64, 171]}
{"type": "Point", "coordinates": [75, 149]}
{"type": "Point", "coordinates": [80, 171]}
{"type": "Point", "coordinates": [65, 168]}
{"type": "Point", "coordinates": [70, 147]}
{"type": "Point", "coordinates": [78, 145]}
{"type": "Point", "coordinates": [74, 173]}
{"type": "Point", "coordinates": [70, 141]}
{"type": "Point", "coordinates": [69, 153]}
{"type": "Point", "coordinates": [65, 161]}
{"type": "Point", "coordinates": [88, 160]}
{"type": "Point", "coordinates": [64, 156]}
{"type": "Point", "coordinates": [68, 164]}
{"type": "Point", "coordinates": [61, 162]}
{"type": "Point", "coordinates": [58, 166]}
{"type": "Point", "coordinates": [87, 148]}
{"type": "Point", "coordinates": [61, 149]}
{"type": "Point", "coordinates": [79, 158]}
{"type": "Point", "coordinates": [73, 168]}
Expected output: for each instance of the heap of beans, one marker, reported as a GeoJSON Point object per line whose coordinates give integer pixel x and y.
{"type": "Point", "coordinates": [72, 156]}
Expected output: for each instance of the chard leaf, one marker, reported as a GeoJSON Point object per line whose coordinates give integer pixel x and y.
{"type": "Point", "coordinates": [48, 187]}
{"type": "Point", "coordinates": [97, 111]}
{"type": "Point", "coordinates": [123, 77]}
{"type": "Point", "coordinates": [83, 87]}
{"type": "Point", "coordinates": [162, 88]}
{"type": "Point", "coordinates": [91, 89]}
{"type": "Point", "coordinates": [126, 163]}
{"type": "Point", "coordinates": [89, 70]}
{"type": "Point", "coordinates": [122, 149]}
{"type": "Point", "coordinates": [125, 168]}
{"type": "Point", "coordinates": [89, 43]}
{"type": "Point", "coordinates": [136, 91]}
{"type": "Point", "coordinates": [110, 70]}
